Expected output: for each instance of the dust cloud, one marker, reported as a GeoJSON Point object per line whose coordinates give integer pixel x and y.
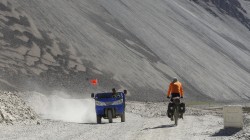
{"type": "Point", "coordinates": [60, 106]}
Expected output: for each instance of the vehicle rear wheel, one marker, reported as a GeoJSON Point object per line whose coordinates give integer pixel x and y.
{"type": "Point", "coordinates": [99, 119]}
{"type": "Point", "coordinates": [176, 116]}
{"type": "Point", "coordinates": [123, 117]}
{"type": "Point", "coordinates": [110, 116]}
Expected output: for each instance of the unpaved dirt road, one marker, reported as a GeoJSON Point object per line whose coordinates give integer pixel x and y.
{"type": "Point", "coordinates": [74, 119]}
{"type": "Point", "coordinates": [136, 127]}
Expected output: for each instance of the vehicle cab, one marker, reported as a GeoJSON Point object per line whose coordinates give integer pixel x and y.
{"type": "Point", "coordinates": [109, 105]}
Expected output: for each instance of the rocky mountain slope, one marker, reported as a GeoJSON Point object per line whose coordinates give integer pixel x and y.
{"type": "Point", "coordinates": [137, 45]}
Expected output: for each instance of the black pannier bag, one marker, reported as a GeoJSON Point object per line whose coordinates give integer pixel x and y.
{"type": "Point", "coordinates": [170, 110]}
{"type": "Point", "coordinates": [182, 108]}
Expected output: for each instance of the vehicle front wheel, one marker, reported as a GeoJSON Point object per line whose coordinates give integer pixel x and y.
{"type": "Point", "coordinates": [123, 117]}
{"type": "Point", "coordinates": [99, 119]}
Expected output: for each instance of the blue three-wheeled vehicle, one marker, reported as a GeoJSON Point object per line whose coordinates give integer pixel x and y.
{"type": "Point", "coordinates": [109, 106]}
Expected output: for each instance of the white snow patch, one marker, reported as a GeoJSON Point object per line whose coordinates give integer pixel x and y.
{"type": "Point", "coordinates": [36, 71]}
{"type": "Point", "coordinates": [42, 66]}
{"type": "Point", "coordinates": [78, 67]}
{"type": "Point", "coordinates": [49, 57]}
{"type": "Point", "coordinates": [23, 38]}
{"type": "Point", "coordinates": [30, 61]}
{"type": "Point", "coordinates": [56, 49]}
{"type": "Point", "coordinates": [114, 27]}
{"type": "Point", "coordinates": [35, 50]}
{"type": "Point", "coordinates": [22, 50]}
{"type": "Point", "coordinates": [130, 42]}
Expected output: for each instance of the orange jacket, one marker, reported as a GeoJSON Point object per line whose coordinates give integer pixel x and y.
{"type": "Point", "coordinates": [175, 88]}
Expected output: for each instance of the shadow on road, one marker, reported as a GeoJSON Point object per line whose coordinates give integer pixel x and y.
{"type": "Point", "coordinates": [227, 132]}
{"type": "Point", "coordinates": [161, 126]}
{"type": "Point", "coordinates": [103, 123]}
{"type": "Point", "coordinates": [90, 123]}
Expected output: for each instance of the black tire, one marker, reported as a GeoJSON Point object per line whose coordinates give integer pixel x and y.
{"type": "Point", "coordinates": [176, 116]}
{"type": "Point", "coordinates": [110, 116]}
{"type": "Point", "coordinates": [99, 119]}
{"type": "Point", "coordinates": [123, 117]}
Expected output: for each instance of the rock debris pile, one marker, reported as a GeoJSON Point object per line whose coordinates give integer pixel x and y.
{"type": "Point", "coordinates": [14, 110]}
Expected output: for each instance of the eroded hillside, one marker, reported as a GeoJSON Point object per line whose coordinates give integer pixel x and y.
{"type": "Point", "coordinates": [138, 45]}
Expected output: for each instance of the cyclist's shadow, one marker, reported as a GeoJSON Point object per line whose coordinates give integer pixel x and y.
{"type": "Point", "coordinates": [161, 126]}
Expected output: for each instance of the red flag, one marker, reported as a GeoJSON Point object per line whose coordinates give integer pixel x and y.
{"type": "Point", "coordinates": [94, 82]}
